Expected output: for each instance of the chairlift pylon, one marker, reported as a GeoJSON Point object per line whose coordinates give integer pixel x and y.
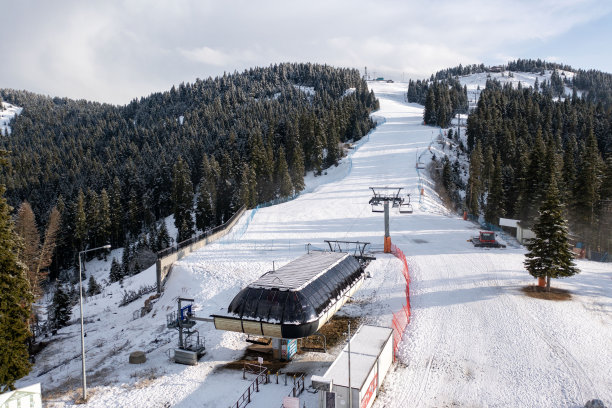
{"type": "Point", "coordinates": [392, 195]}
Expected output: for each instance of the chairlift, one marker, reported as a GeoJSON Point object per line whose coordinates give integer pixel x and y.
{"type": "Point", "coordinates": [405, 207]}
{"type": "Point", "coordinates": [381, 195]}
{"type": "Point", "coordinates": [377, 206]}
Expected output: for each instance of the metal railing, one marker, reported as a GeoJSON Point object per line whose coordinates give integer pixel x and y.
{"type": "Point", "coordinates": [261, 378]}
{"type": "Point", "coordinates": [298, 387]}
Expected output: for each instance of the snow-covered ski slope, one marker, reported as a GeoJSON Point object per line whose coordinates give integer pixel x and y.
{"type": "Point", "coordinates": [474, 340]}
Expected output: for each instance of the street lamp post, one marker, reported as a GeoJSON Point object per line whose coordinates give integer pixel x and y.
{"type": "Point", "coordinates": [81, 307]}
{"type": "Point", "coordinates": [349, 359]}
{"type": "Point", "coordinates": [349, 366]}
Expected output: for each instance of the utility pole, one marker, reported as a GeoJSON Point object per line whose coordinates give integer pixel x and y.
{"type": "Point", "coordinates": [349, 366]}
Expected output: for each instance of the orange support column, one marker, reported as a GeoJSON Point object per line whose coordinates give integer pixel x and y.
{"type": "Point", "coordinates": [387, 247]}
{"type": "Point", "coordinates": [541, 282]}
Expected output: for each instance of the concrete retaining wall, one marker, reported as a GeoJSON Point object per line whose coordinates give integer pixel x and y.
{"type": "Point", "coordinates": [164, 265]}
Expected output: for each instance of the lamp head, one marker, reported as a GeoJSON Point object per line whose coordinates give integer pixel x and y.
{"type": "Point", "coordinates": [106, 246]}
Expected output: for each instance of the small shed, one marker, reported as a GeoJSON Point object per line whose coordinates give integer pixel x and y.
{"type": "Point", "coordinates": [370, 359]}
{"type": "Point", "coordinates": [522, 234]}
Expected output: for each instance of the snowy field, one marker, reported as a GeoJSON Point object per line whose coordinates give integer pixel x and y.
{"type": "Point", "coordinates": [475, 83]}
{"type": "Point", "coordinates": [474, 341]}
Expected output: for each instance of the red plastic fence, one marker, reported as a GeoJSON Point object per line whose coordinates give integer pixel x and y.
{"type": "Point", "coordinates": [402, 317]}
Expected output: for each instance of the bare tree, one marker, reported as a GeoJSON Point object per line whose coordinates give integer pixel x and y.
{"type": "Point", "coordinates": [34, 255]}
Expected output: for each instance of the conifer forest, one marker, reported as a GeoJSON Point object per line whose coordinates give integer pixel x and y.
{"type": "Point", "coordinates": [520, 139]}
{"type": "Point", "coordinates": [208, 147]}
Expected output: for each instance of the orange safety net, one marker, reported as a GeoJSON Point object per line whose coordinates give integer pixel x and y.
{"type": "Point", "coordinates": [402, 317]}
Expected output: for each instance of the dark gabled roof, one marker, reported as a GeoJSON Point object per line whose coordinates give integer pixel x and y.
{"type": "Point", "coordinates": [299, 292]}
{"type": "Point", "coordinates": [299, 272]}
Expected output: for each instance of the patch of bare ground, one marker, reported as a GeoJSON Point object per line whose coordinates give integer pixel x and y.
{"type": "Point", "coordinates": [145, 377]}
{"type": "Point", "coordinates": [539, 292]}
{"type": "Point", "coordinates": [335, 332]}
{"type": "Point", "coordinates": [71, 388]}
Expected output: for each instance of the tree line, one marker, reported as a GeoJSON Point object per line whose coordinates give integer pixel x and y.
{"type": "Point", "coordinates": [442, 99]}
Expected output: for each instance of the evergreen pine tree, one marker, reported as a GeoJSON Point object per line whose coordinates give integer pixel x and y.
{"type": "Point", "coordinates": [537, 176]}
{"type": "Point", "coordinates": [253, 188]}
{"type": "Point", "coordinates": [569, 170]}
{"type": "Point", "coordinates": [334, 152]}
{"type": "Point", "coordinates": [549, 253]}
{"type": "Point", "coordinates": [447, 180]}
{"type": "Point", "coordinates": [226, 188]}
{"type": "Point", "coordinates": [488, 167]}
{"type": "Point", "coordinates": [206, 202]}
{"type": "Point", "coordinates": [319, 143]}
{"type": "Point", "coordinates": [104, 231]}
{"type": "Point", "coordinates": [15, 302]}
{"type": "Point", "coordinates": [586, 190]}
{"type": "Point", "coordinates": [297, 167]}
{"type": "Point", "coordinates": [475, 181]}
{"type": "Point", "coordinates": [182, 198]}
{"type": "Point", "coordinates": [495, 199]}
{"type": "Point", "coordinates": [93, 287]}
{"type": "Point", "coordinates": [116, 214]}
{"type": "Point", "coordinates": [245, 188]}
{"type": "Point", "coordinates": [605, 207]}
{"type": "Point", "coordinates": [61, 308]}
{"type": "Point", "coordinates": [282, 177]}
{"type": "Point", "coordinates": [429, 114]}
{"type": "Point", "coordinates": [80, 223]}
{"type": "Point", "coordinates": [92, 212]}
{"type": "Point", "coordinates": [115, 272]}
{"type": "Point", "coordinates": [163, 237]}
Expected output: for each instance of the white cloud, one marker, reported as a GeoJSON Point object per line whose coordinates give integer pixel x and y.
{"type": "Point", "coordinates": [113, 52]}
{"type": "Point", "coordinates": [208, 56]}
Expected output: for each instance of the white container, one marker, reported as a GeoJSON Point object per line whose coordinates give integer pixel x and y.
{"type": "Point", "coordinates": [370, 359]}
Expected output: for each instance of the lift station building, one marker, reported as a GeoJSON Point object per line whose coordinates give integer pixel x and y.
{"type": "Point", "coordinates": [360, 369]}
{"type": "Point", "coordinates": [296, 300]}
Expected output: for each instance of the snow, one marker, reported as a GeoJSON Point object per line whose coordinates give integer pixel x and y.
{"type": "Point", "coordinates": [308, 90]}
{"type": "Point", "coordinates": [348, 92]}
{"type": "Point", "coordinates": [475, 83]}
{"type": "Point", "coordinates": [7, 113]}
{"type": "Point", "coordinates": [475, 339]}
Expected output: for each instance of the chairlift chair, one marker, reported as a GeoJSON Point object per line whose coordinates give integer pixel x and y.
{"type": "Point", "coordinates": [405, 207]}
{"type": "Point", "coordinates": [378, 207]}
{"type": "Point", "coordinates": [377, 204]}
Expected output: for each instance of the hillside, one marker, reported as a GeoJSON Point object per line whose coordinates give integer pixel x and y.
{"type": "Point", "coordinates": [525, 127]}
{"type": "Point", "coordinates": [119, 165]}
{"type": "Point", "coordinates": [475, 338]}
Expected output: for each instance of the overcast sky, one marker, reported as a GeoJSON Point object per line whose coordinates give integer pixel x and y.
{"type": "Point", "coordinates": [112, 51]}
